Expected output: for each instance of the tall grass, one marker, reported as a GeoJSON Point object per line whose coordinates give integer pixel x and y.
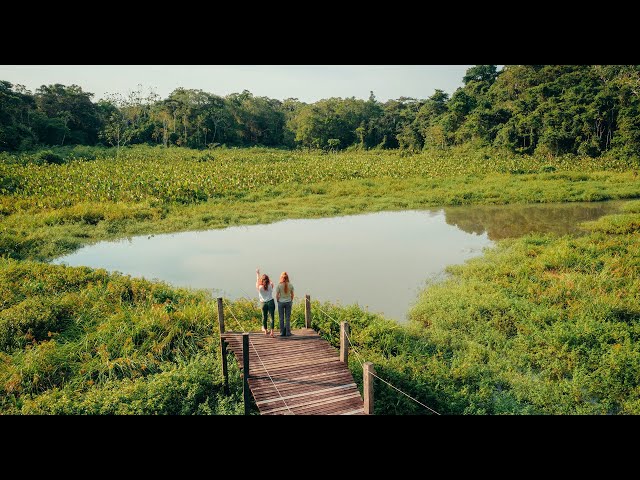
{"type": "Point", "coordinates": [541, 324]}
{"type": "Point", "coordinates": [83, 341]}
{"type": "Point", "coordinates": [48, 210]}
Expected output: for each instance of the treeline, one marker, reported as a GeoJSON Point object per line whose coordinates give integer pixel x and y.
{"type": "Point", "coordinates": [549, 109]}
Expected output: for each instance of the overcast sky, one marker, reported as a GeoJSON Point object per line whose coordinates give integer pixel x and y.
{"type": "Point", "coordinates": [305, 82]}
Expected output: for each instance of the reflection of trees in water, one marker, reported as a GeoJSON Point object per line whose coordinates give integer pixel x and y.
{"type": "Point", "coordinates": [503, 221]}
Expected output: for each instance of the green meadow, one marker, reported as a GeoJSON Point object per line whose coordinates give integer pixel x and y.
{"type": "Point", "coordinates": [538, 324]}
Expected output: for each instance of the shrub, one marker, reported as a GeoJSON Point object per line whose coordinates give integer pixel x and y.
{"type": "Point", "coordinates": [48, 157]}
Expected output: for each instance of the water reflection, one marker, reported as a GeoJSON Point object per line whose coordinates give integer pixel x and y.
{"type": "Point", "coordinates": [379, 260]}
{"type": "Point", "coordinates": [508, 221]}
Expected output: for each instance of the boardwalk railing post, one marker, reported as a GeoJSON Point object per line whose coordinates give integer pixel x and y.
{"type": "Point", "coordinates": [223, 347]}
{"type": "Point", "coordinates": [246, 395]}
{"type": "Point", "coordinates": [220, 314]}
{"type": "Point", "coordinates": [367, 380]}
{"type": "Point", "coordinates": [344, 342]}
{"type": "Point", "coordinates": [307, 311]}
{"type": "Point", "coordinates": [225, 371]}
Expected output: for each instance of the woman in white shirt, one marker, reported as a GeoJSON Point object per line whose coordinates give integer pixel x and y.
{"type": "Point", "coordinates": [265, 294]}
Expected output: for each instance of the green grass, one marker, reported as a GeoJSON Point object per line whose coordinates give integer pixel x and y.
{"type": "Point", "coordinates": [83, 341]}
{"type": "Point", "coordinates": [50, 210]}
{"type": "Point", "coordinates": [540, 324]}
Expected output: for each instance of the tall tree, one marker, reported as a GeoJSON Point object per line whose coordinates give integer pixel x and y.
{"type": "Point", "coordinates": [16, 112]}
{"type": "Point", "coordinates": [71, 110]}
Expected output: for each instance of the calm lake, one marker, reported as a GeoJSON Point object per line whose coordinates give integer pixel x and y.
{"type": "Point", "coordinates": [379, 261]}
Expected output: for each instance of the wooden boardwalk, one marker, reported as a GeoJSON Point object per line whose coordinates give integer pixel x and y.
{"type": "Point", "coordinates": [305, 368]}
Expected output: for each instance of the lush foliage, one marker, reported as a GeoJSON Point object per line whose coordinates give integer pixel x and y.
{"type": "Point", "coordinates": [191, 176]}
{"type": "Point", "coordinates": [540, 325]}
{"type": "Point", "coordinates": [47, 209]}
{"type": "Point", "coordinates": [82, 341]}
{"type": "Point", "coordinates": [549, 109]}
{"type": "Point", "coordinates": [54, 115]}
{"type": "Point", "coordinates": [537, 325]}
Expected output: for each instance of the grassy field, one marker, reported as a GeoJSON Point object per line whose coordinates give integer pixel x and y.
{"type": "Point", "coordinates": [47, 209]}
{"type": "Point", "coordinates": [540, 324]}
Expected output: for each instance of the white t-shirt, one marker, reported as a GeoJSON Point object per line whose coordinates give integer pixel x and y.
{"type": "Point", "coordinates": [265, 295]}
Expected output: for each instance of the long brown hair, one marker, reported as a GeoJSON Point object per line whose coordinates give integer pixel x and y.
{"type": "Point", "coordinates": [284, 278]}
{"type": "Point", "coordinates": [264, 280]}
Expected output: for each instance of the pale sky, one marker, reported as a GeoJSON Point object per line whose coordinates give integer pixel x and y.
{"type": "Point", "coordinates": [308, 83]}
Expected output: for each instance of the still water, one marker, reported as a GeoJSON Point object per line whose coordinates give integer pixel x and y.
{"type": "Point", "coordinates": [379, 261]}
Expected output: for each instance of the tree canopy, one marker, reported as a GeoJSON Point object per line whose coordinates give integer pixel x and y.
{"type": "Point", "coordinates": [549, 109]}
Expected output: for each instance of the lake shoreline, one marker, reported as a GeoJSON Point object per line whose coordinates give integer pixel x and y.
{"type": "Point", "coordinates": [78, 340]}
{"type": "Point", "coordinates": [411, 245]}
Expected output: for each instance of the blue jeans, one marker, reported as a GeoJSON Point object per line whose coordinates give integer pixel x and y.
{"type": "Point", "coordinates": [284, 314]}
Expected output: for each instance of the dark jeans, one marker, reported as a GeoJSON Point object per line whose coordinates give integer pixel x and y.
{"type": "Point", "coordinates": [268, 308]}
{"type": "Point", "coordinates": [284, 314]}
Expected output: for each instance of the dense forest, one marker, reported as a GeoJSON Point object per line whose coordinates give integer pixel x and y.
{"type": "Point", "coordinates": [548, 109]}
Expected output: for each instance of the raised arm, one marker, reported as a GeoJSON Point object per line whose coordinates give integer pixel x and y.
{"type": "Point", "coordinates": [258, 278]}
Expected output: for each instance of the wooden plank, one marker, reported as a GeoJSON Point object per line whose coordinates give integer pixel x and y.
{"type": "Point", "coordinates": [300, 333]}
{"type": "Point", "coordinates": [294, 374]}
{"type": "Point", "coordinates": [328, 379]}
{"type": "Point", "coordinates": [353, 412]}
{"type": "Point", "coordinates": [296, 333]}
{"type": "Point", "coordinates": [283, 351]}
{"type": "Point", "coordinates": [278, 364]}
{"type": "Point", "coordinates": [288, 389]}
{"type": "Point", "coordinates": [266, 383]}
{"type": "Point", "coordinates": [308, 392]}
{"type": "Point", "coordinates": [298, 363]}
{"type": "Point", "coordinates": [328, 406]}
{"type": "Point", "coordinates": [285, 341]}
{"type": "Point", "coordinates": [267, 356]}
{"type": "Point", "coordinates": [308, 373]}
{"type": "Point", "coordinates": [336, 378]}
{"type": "Point", "coordinates": [265, 399]}
{"type": "Point", "coordinates": [335, 408]}
{"type": "Point", "coordinates": [314, 374]}
{"type": "Point", "coordinates": [293, 389]}
{"type": "Point", "coordinates": [301, 374]}
{"type": "Point", "coordinates": [316, 401]}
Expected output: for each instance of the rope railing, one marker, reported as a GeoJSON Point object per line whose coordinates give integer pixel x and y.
{"type": "Point", "coordinates": [405, 394]}
{"type": "Point", "coordinates": [355, 350]}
